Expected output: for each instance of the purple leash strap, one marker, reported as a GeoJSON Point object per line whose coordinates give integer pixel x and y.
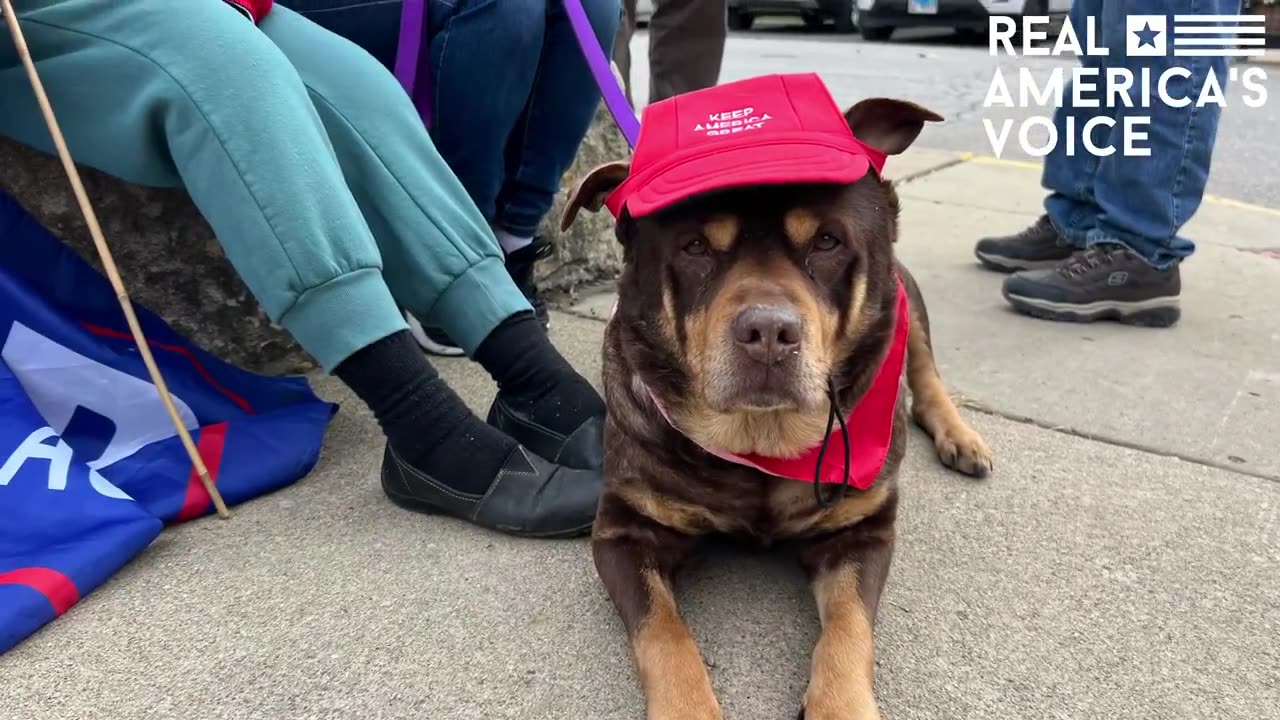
{"type": "Point", "coordinates": [409, 59]}
{"type": "Point", "coordinates": [414, 71]}
{"type": "Point", "coordinates": [614, 97]}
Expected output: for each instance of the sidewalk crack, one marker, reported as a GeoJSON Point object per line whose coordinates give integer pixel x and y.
{"type": "Point", "coordinates": [1115, 442]}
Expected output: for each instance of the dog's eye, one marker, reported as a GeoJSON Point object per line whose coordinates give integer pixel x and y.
{"type": "Point", "coordinates": [826, 242]}
{"type": "Point", "coordinates": [696, 247]}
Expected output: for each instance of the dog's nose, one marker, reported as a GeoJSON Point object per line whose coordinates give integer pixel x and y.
{"type": "Point", "coordinates": [768, 334]}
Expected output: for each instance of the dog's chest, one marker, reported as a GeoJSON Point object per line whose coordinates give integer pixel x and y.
{"type": "Point", "coordinates": [750, 504]}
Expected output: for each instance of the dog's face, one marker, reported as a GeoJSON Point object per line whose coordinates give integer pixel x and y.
{"type": "Point", "coordinates": [754, 293]}
{"type": "Point", "coordinates": [739, 306]}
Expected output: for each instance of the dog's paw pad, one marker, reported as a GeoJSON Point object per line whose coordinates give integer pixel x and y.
{"type": "Point", "coordinates": [963, 450]}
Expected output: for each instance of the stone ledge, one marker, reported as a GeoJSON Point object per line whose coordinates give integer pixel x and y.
{"type": "Point", "coordinates": [589, 251]}
{"type": "Point", "coordinates": [167, 254]}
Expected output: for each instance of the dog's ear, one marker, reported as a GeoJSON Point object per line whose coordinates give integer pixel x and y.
{"type": "Point", "coordinates": [592, 190]}
{"type": "Point", "coordinates": [888, 125]}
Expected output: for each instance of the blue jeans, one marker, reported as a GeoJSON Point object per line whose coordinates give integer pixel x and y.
{"type": "Point", "coordinates": [513, 95]}
{"type": "Point", "coordinates": [1138, 202]}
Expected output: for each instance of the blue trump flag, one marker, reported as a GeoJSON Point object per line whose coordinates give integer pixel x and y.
{"type": "Point", "coordinates": [91, 468]}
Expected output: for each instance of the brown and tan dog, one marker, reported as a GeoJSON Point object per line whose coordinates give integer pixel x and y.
{"type": "Point", "coordinates": [734, 309]}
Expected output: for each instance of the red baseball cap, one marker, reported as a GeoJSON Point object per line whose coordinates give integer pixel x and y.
{"type": "Point", "coordinates": [762, 131]}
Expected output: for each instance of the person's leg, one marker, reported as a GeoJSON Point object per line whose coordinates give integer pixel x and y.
{"type": "Point", "coordinates": [1145, 201]}
{"type": "Point", "coordinates": [441, 259]}
{"type": "Point", "coordinates": [485, 57]}
{"type": "Point", "coordinates": [150, 101]}
{"type": "Point", "coordinates": [470, 127]}
{"type": "Point", "coordinates": [542, 146]}
{"type": "Point", "coordinates": [374, 25]}
{"type": "Point", "coordinates": [686, 46]}
{"type": "Point", "coordinates": [1130, 270]}
{"type": "Point", "coordinates": [208, 100]}
{"type": "Point", "coordinates": [1070, 210]}
{"type": "Point", "coordinates": [1069, 178]}
{"type": "Point", "coordinates": [561, 104]}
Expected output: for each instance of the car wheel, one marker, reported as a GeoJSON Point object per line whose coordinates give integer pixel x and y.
{"type": "Point", "coordinates": [876, 34]}
{"type": "Point", "coordinates": [739, 20]}
{"type": "Point", "coordinates": [842, 12]}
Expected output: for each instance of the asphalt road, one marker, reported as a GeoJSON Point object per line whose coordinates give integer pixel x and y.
{"type": "Point", "coordinates": [952, 77]}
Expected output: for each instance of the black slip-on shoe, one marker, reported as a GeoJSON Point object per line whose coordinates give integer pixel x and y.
{"type": "Point", "coordinates": [583, 449]}
{"type": "Point", "coordinates": [529, 498]}
{"type": "Point", "coordinates": [1033, 248]}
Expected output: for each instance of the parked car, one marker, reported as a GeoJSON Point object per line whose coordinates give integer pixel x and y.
{"type": "Point", "coordinates": [815, 13]}
{"type": "Point", "coordinates": [877, 19]}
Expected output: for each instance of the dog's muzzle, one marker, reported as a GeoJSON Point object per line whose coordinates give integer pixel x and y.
{"type": "Point", "coordinates": [761, 361]}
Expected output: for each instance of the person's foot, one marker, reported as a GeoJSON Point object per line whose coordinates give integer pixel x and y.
{"type": "Point", "coordinates": [580, 447]}
{"type": "Point", "coordinates": [528, 497]}
{"type": "Point", "coordinates": [542, 402]}
{"type": "Point", "coordinates": [431, 339]}
{"type": "Point", "coordinates": [1037, 247]}
{"type": "Point", "coordinates": [520, 265]}
{"type": "Point", "coordinates": [1105, 282]}
{"type": "Point", "coordinates": [440, 456]}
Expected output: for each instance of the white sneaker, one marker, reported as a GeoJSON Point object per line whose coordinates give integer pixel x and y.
{"type": "Point", "coordinates": [431, 339]}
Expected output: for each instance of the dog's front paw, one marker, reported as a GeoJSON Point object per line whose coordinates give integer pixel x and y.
{"type": "Point", "coordinates": [962, 449]}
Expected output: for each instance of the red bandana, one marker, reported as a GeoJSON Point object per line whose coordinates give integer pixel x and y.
{"type": "Point", "coordinates": [870, 425]}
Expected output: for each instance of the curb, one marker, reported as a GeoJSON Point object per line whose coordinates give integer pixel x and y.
{"type": "Point", "coordinates": [969, 157]}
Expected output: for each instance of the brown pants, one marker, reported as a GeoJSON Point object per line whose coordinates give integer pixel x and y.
{"type": "Point", "coordinates": [686, 44]}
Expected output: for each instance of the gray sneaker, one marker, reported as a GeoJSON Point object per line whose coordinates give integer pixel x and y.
{"type": "Point", "coordinates": [1105, 282]}
{"type": "Point", "coordinates": [1037, 247]}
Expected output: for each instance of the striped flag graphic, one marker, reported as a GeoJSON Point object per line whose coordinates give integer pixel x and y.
{"type": "Point", "coordinates": [1219, 35]}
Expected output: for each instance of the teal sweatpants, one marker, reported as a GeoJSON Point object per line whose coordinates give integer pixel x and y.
{"type": "Point", "coordinates": [301, 150]}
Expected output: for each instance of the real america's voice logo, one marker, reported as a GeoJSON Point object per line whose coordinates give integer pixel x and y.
{"type": "Point", "coordinates": [1171, 54]}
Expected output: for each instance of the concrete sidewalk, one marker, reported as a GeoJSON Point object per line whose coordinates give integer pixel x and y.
{"type": "Point", "coordinates": [1122, 562]}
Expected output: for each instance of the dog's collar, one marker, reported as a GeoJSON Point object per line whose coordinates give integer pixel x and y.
{"type": "Point", "coordinates": [870, 425]}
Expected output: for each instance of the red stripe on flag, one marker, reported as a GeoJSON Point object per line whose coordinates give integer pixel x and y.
{"type": "Point", "coordinates": [117, 335]}
{"type": "Point", "coordinates": [210, 443]}
{"type": "Point", "coordinates": [53, 585]}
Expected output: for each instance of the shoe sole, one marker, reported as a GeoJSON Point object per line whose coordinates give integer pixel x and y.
{"type": "Point", "coordinates": [1156, 312]}
{"type": "Point", "coordinates": [426, 343]}
{"type": "Point", "coordinates": [419, 505]}
{"type": "Point", "coordinates": [1001, 263]}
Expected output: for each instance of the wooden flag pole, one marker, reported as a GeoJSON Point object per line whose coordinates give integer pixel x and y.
{"type": "Point", "coordinates": [108, 263]}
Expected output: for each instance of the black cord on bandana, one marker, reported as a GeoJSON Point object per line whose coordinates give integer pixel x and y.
{"type": "Point", "coordinates": [832, 416]}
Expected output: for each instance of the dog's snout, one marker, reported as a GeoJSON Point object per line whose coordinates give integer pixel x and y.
{"type": "Point", "coordinates": [768, 334]}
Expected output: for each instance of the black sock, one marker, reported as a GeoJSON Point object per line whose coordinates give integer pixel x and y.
{"type": "Point", "coordinates": [533, 378]}
{"type": "Point", "coordinates": [426, 423]}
